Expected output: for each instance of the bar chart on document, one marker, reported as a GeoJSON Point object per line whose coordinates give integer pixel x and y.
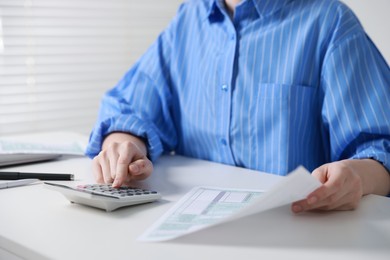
{"type": "Point", "coordinates": [201, 207]}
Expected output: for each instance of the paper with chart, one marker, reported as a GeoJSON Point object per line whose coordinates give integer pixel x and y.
{"type": "Point", "coordinates": [203, 207]}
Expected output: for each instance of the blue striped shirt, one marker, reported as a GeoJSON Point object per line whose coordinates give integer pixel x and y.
{"type": "Point", "coordinates": [282, 83]}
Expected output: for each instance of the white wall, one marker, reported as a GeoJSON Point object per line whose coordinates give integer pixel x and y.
{"type": "Point", "coordinates": [374, 15]}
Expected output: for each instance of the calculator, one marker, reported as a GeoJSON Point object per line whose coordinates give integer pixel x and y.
{"type": "Point", "coordinates": [104, 196]}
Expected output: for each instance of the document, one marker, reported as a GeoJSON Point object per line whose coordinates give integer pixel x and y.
{"type": "Point", "coordinates": [204, 207]}
{"type": "Point", "coordinates": [50, 142]}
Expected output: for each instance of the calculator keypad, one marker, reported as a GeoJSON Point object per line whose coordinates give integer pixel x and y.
{"type": "Point", "coordinates": [108, 190]}
{"type": "Point", "coordinates": [104, 196]}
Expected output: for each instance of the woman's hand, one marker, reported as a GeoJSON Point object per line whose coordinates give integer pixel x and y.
{"type": "Point", "coordinates": [344, 183]}
{"type": "Point", "coordinates": [123, 159]}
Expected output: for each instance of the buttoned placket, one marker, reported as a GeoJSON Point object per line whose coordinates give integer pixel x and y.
{"type": "Point", "coordinates": [226, 78]}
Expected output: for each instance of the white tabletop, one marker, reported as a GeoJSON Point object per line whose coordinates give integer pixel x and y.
{"type": "Point", "coordinates": [38, 223]}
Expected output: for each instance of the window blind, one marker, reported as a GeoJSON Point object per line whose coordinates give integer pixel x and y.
{"type": "Point", "coordinates": [57, 57]}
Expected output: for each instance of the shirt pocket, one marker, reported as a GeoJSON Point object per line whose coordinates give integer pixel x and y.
{"type": "Point", "coordinates": [282, 123]}
{"type": "Point", "coordinates": [281, 100]}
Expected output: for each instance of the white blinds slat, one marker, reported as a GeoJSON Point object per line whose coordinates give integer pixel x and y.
{"type": "Point", "coordinates": [57, 57]}
{"type": "Point", "coordinates": [59, 87]}
{"type": "Point", "coordinates": [62, 69]}
{"type": "Point", "coordinates": [62, 59]}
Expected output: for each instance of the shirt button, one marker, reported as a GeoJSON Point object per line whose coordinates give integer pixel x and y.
{"type": "Point", "coordinates": [224, 87]}
{"type": "Point", "coordinates": [223, 141]}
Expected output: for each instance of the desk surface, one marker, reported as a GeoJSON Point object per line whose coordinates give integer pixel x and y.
{"type": "Point", "coordinates": [38, 223]}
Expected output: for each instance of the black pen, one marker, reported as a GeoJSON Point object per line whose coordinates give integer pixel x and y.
{"type": "Point", "coordinates": [34, 175]}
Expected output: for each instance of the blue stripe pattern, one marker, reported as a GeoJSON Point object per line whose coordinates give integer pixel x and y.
{"type": "Point", "coordinates": [282, 83]}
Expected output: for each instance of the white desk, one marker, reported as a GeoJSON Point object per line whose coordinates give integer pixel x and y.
{"type": "Point", "coordinates": [38, 223]}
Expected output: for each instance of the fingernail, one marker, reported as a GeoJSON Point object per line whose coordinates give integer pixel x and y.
{"type": "Point", "coordinates": [297, 208]}
{"type": "Point", "coordinates": [134, 168]}
{"type": "Point", "coordinates": [312, 200]}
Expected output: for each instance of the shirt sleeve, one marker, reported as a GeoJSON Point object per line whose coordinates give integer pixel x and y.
{"type": "Point", "coordinates": [356, 84]}
{"type": "Point", "coordinates": [140, 103]}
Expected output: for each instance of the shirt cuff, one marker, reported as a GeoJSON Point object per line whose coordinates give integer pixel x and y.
{"type": "Point", "coordinates": [127, 124]}
{"type": "Point", "coordinates": [375, 152]}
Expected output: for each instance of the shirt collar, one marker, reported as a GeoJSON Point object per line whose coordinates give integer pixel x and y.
{"type": "Point", "coordinates": [213, 10]}
{"type": "Point", "coordinates": [266, 7]}
{"type": "Point", "coordinates": [263, 7]}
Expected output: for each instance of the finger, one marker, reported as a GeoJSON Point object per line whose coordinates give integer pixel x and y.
{"type": "Point", "coordinates": [112, 158]}
{"type": "Point", "coordinates": [297, 206]}
{"type": "Point", "coordinates": [330, 195]}
{"type": "Point", "coordinates": [105, 166]}
{"type": "Point", "coordinates": [348, 202]}
{"type": "Point", "coordinates": [333, 187]}
{"type": "Point", "coordinates": [128, 152]}
{"type": "Point", "coordinates": [314, 200]}
{"type": "Point", "coordinates": [97, 170]}
{"type": "Point", "coordinates": [122, 169]}
{"type": "Point", "coordinates": [320, 198]}
{"type": "Point", "coordinates": [321, 173]}
{"type": "Point", "coordinates": [140, 169]}
{"type": "Point", "coordinates": [331, 202]}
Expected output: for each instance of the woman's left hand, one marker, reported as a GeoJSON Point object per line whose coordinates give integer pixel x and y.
{"type": "Point", "coordinates": [344, 183]}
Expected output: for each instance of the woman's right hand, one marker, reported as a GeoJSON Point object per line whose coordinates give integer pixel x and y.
{"type": "Point", "coordinates": [123, 159]}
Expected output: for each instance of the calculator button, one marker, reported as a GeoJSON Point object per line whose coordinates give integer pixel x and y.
{"type": "Point", "coordinates": [121, 192]}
